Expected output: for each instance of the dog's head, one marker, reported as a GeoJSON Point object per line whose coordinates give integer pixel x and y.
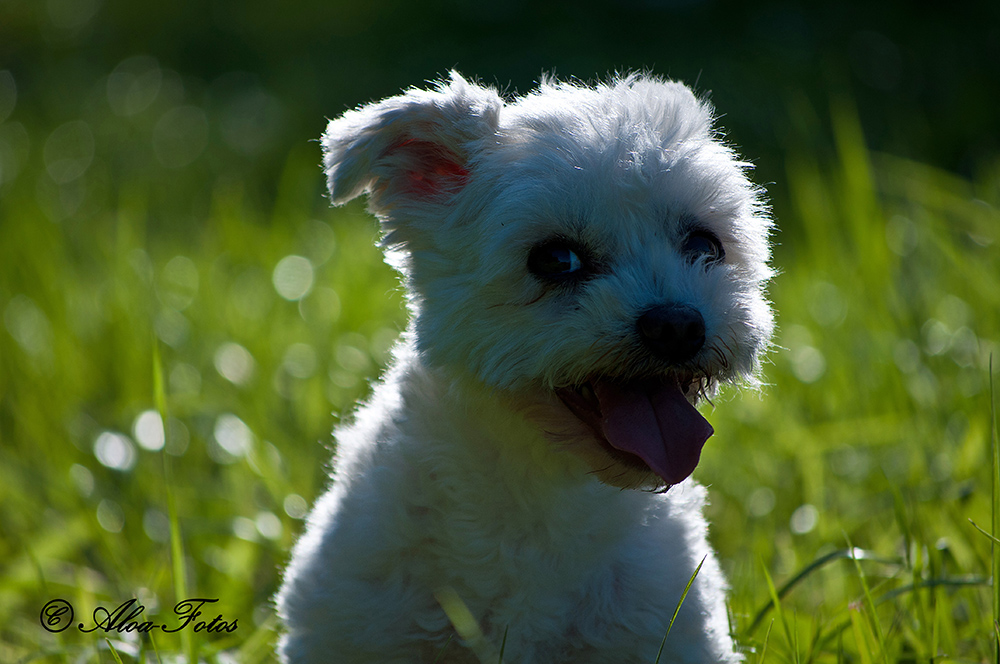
{"type": "Point", "coordinates": [595, 253]}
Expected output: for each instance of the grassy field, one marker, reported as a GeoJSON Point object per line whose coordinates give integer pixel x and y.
{"type": "Point", "coordinates": [135, 290]}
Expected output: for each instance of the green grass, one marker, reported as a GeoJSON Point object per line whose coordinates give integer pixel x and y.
{"type": "Point", "coordinates": [131, 296]}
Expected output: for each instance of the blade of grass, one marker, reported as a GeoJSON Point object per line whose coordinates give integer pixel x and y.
{"type": "Point", "coordinates": [959, 582]}
{"type": "Point", "coordinates": [465, 623]}
{"type": "Point", "coordinates": [763, 648]}
{"type": "Point", "coordinates": [936, 626]}
{"type": "Point", "coordinates": [258, 647]}
{"type": "Point", "coordinates": [678, 609]}
{"type": "Point", "coordinates": [176, 542]}
{"type": "Point", "coordinates": [114, 653]}
{"type": "Point", "coordinates": [922, 602]}
{"type": "Point", "coordinates": [156, 651]}
{"type": "Point", "coordinates": [841, 554]}
{"type": "Point", "coordinates": [503, 644]}
{"type": "Point", "coordinates": [776, 603]}
{"type": "Point", "coordinates": [43, 584]}
{"type": "Point", "coordinates": [870, 604]}
{"type": "Point", "coordinates": [955, 582]}
{"type": "Point", "coordinates": [858, 626]}
{"type": "Point", "coordinates": [993, 540]}
{"type": "Point", "coordinates": [995, 511]}
{"type": "Point", "coordinates": [443, 648]}
{"type": "Point", "coordinates": [817, 637]}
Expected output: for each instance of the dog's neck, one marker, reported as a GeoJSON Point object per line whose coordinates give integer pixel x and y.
{"type": "Point", "coordinates": [489, 432]}
{"type": "Point", "coordinates": [472, 468]}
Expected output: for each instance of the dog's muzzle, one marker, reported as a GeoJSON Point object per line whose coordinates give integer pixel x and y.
{"type": "Point", "coordinates": [652, 420]}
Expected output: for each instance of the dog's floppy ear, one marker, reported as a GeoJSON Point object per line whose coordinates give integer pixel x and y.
{"type": "Point", "coordinates": [414, 146]}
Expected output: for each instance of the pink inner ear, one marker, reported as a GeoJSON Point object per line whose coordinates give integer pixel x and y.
{"type": "Point", "coordinates": [431, 169]}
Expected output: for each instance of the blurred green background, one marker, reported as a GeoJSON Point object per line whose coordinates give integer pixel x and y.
{"type": "Point", "coordinates": [163, 222]}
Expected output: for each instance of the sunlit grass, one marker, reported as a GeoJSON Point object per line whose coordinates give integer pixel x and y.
{"type": "Point", "coordinates": [262, 321]}
{"type": "Point", "coordinates": [875, 432]}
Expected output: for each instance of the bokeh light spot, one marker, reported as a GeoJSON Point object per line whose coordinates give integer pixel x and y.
{"type": "Point", "coordinates": [68, 151]}
{"type": "Point", "coordinates": [295, 506]}
{"type": "Point", "coordinates": [8, 94]}
{"type": "Point", "coordinates": [180, 136]}
{"type": "Point", "coordinates": [115, 451]}
{"type": "Point", "coordinates": [234, 363]}
{"type": "Point", "coordinates": [148, 431]}
{"type": "Point", "coordinates": [804, 519]}
{"type": "Point", "coordinates": [293, 277]}
{"type": "Point", "coordinates": [134, 85]}
{"type": "Point", "coordinates": [233, 435]}
{"type": "Point", "coordinates": [110, 516]}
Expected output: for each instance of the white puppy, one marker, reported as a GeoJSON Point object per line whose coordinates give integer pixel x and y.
{"type": "Point", "coordinates": [582, 265]}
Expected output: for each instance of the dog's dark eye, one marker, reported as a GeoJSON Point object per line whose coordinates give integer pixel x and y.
{"type": "Point", "coordinates": [703, 244]}
{"type": "Point", "coordinates": [554, 260]}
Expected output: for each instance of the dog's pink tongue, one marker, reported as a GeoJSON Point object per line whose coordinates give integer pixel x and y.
{"type": "Point", "coordinates": [656, 423]}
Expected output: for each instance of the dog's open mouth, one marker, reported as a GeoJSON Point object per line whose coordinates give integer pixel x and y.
{"type": "Point", "coordinates": [649, 419]}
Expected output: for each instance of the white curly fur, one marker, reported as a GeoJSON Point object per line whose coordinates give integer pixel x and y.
{"type": "Point", "coordinates": [466, 473]}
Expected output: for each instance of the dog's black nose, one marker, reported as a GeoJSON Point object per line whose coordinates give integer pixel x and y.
{"type": "Point", "coordinates": [674, 332]}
